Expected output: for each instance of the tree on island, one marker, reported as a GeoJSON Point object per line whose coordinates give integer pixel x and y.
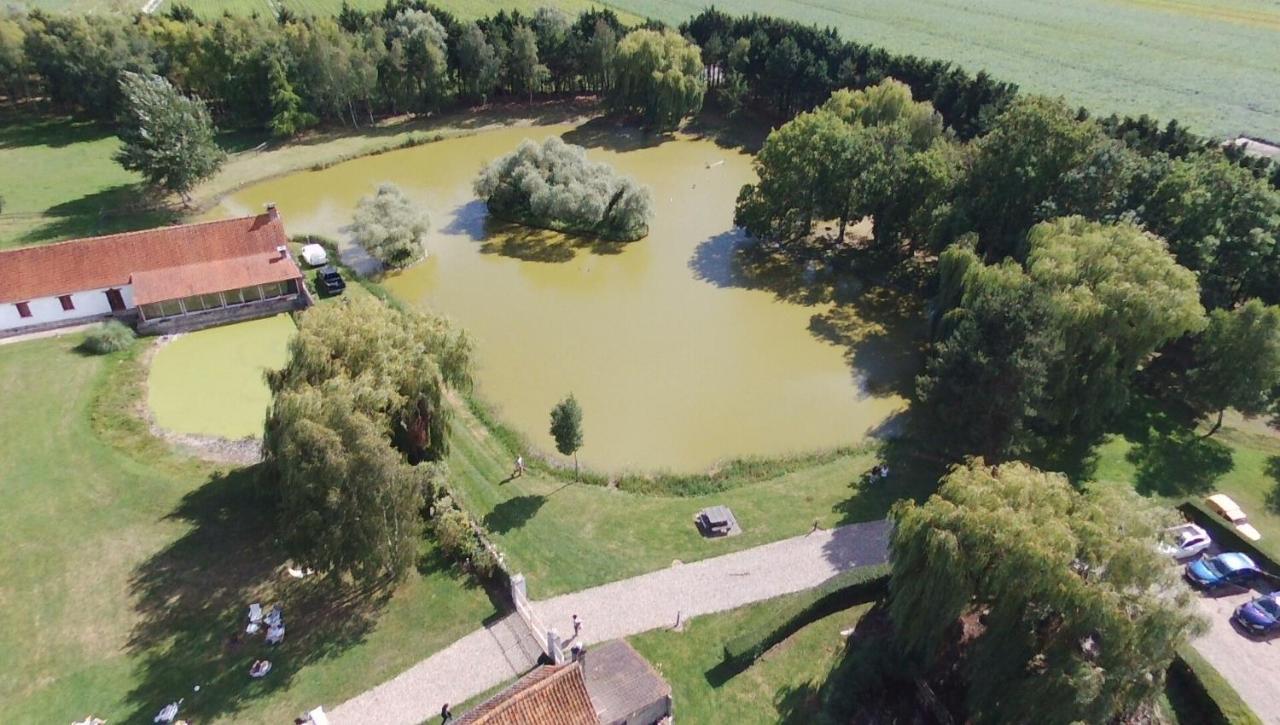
{"type": "Point", "coordinates": [566, 428]}
{"type": "Point", "coordinates": [358, 405]}
{"type": "Point", "coordinates": [166, 136]}
{"type": "Point", "coordinates": [553, 185]}
{"type": "Point", "coordinates": [390, 227]}
{"type": "Point", "coordinates": [1238, 361]}
{"type": "Point", "coordinates": [659, 76]}
{"type": "Point", "coordinates": [1070, 612]}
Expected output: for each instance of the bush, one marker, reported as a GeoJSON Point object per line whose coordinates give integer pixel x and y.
{"type": "Point", "coordinates": [1214, 698]}
{"type": "Point", "coordinates": [837, 593]}
{"type": "Point", "coordinates": [390, 227]}
{"type": "Point", "coordinates": [113, 336]}
{"type": "Point", "coordinates": [552, 185]}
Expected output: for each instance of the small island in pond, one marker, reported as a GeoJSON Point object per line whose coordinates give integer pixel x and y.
{"type": "Point", "coordinates": [553, 185]}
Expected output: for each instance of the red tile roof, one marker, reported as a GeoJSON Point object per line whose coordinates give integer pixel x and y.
{"type": "Point", "coordinates": [547, 696]}
{"type": "Point", "coordinates": [178, 261]}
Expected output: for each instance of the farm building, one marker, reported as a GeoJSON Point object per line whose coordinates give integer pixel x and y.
{"type": "Point", "coordinates": [162, 280]}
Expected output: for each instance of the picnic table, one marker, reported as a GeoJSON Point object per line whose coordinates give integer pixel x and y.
{"type": "Point", "coordinates": [717, 521]}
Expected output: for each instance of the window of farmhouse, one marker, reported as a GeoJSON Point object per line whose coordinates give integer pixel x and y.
{"type": "Point", "coordinates": [24, 309]}
{"type": "Point", "coordinates": [67, 304]}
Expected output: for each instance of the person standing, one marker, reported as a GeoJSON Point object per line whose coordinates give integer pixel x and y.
{"type": "Point", "coordinates": [520, 464]}
{"type": "Point", "coordinates": [445, 714]}
{"type": "Point", "coordinates": [577, 626]}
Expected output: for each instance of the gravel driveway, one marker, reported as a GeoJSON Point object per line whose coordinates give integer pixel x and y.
{"type": "Point", "coordinates": [1252, 666]}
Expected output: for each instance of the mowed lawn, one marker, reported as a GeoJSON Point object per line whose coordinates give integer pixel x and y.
{"type": "Point", "coordinates": [1212, 65]}
{"type": "Point", "coordinates": [125, 574]}
{"type": "Point", "coordinates": [567, 536]}
{"type": "Point", "coordinates": [1173, 462]}
{"type": "Point", "coordinates": [780, 687]}
{"type": "Point", "coordinates": [211, 382]}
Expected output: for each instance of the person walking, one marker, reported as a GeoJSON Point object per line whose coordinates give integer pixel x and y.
{"type": "Point", "coordinates": [520, 464]}
{"type": "Point", "coordinates": [577, 626]}
{"type": "Point", "coordinates": [445, 714]}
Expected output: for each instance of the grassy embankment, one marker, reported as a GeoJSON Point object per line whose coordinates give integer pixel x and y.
{"type": "Point", "coordinates": [128, 568]}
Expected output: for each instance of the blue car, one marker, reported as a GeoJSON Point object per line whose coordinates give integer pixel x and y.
{"type": "Point", "coordinates": [1221, 570]}
{"type": "Point", "coordinates": [1261, 616]}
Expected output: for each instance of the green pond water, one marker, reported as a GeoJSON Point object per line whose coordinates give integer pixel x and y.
{"type": "Point", "coordinates": [678, 357]}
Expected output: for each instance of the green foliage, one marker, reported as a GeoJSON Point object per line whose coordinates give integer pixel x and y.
{"type": "Point", "coordinates": [1021, 167]}
{"type": "Point", "coordinates": [1052, 348]}
{"type": "Point", "coordinates": [553, 185]}
{"type": "Point", "coordinates": [1214, 695]}
{"type": "Point", "coordinates": [837, 593]}
{"type": "Point", "coordinates": [1223, 222]}
{"type": "Point", "coordinates": [390, 227]}
{"type": "Point", "coordinates": [478, 63]}
{"type": "Point", "coordinates": [1238, 360]}
{"type": "Point", "coordinates": [659, 76]}
{"type": "Point", "coordinates": [566, 427]}
{"type": "Point", "coordinates": [287, 114]}
{"type": "Point", "coordinates": [422, 40]}
{"type": "Point", "coordinates": [112, 336]}
{"type": "Point", "coordinates": [1081, 616]}
{"type": "Point", "coordinates": [165, 136]}
{"type": "Point", "coordinates": [462, 539]}
{"type": "Point", "coordinates": [525, 73]}
{"type": "Point", "coordinates": [358, 403]}
{"type": "Point", "coordinates": [863, 153]}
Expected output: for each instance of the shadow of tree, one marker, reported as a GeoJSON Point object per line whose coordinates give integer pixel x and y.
{"type": "Point", "coordinates": [54, 132]}
{"type": "Point", "coordinates": [518, 241]}
{"type": "Point", "coordinates": [192, 599]}
{"type": "Point", "coordinates": [913, 474]}
{"type": "Point", "coordinates": [513, 513]}
{"type": "Point", "coordinates": [1178, 463]}
{"type": "Point", "coordinates": [1273, 496]}
{"type": "Point", "coordinates": [120, 208]}
{"type": "Point", "coordinates": [799, 704]}
{"type": "Point", "coordinates": [614, 134]}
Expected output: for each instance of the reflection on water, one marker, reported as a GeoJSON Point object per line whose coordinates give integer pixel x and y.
{"type": "Point", "coordinates": [679, 353]}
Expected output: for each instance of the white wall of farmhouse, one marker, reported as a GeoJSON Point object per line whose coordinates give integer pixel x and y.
{"type": "Point", "coordinates": [46, 310]}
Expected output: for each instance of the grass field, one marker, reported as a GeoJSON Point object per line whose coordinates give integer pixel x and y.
{"type": "Point", "coordinates": [780, 687]}
{"type": "Point", "coordinates": [1212, 65]}
{"type": "Point", "coordinates": [124, 574]}
{"type": "Point", "coordinates": [1209, 64]}
{"type": "Point", "coordinates": [210, 382]}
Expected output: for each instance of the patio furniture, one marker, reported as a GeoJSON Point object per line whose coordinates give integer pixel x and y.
{"type": "Point", "coordinates": [168, 713]}
{"type": "Point", "coordinates": [255, 618]}
{"type": "Point", "coordinates": [717, 521]}
{"type": "Point", "coordinates": [275, 635]}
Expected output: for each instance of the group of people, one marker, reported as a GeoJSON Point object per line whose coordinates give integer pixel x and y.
{"type": "Point", "coordinates": [878, 472]}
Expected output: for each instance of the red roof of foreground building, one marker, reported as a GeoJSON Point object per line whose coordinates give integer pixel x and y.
{"type": "Point", "coordinates": [550, 695]}
{"type": "Point", "coordinates": [162, 263]}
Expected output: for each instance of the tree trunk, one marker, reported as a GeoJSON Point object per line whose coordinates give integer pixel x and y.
{"type": "Point", "coordinates": [576, 474]}
{"type": "Point", "coordinates": [1216, 425]}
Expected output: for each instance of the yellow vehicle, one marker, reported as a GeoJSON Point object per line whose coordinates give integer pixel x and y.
{"type": "Point", "coordinates": [1222, 505]}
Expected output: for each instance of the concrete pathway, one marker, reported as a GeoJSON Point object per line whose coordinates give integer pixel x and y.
{"type": "Point", "coordinates": [480, 660]}
{"type": "Point", "coordinates": [1251, 665]}
{"type": "Point", "coordinates": [55, 332]}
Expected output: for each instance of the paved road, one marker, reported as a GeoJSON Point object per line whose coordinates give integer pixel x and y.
{"type": "Point", "coordinates": [488, 657]}
{"type": "Point", "coordinates": [1252, 666]}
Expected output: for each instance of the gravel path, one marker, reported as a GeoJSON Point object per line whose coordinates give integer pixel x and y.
{"type": "Point", "coordinates": [1252, 666]}
{"type": "Point", "coordinates": [485, 658]}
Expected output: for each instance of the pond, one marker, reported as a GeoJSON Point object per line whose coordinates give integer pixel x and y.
{"type": "Point", "coordinates": [678, 357]}
{"type": "Point", "coordinates": [211, 382]}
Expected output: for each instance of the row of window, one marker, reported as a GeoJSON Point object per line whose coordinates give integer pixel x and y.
{"type": "Point", "coordinates": [24, 308]}
{"type": "Point", "coordinates": [230, 298]}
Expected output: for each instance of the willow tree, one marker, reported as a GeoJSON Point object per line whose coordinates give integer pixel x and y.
{"type": "Point", "coordinates": [1074, 615]}
{"type": "Point", "coordinates": [390, 226]}
{"type": "Point", "coordinates": [1116, 294]}
{"type": "Point", "coordinates": [356, 411]}
{"type": "Point", "coordinates": [166, 136]}
{"type": "Point", "coordinates": [659, 76]}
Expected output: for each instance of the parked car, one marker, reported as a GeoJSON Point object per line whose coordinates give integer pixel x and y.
{"type": "Point", "coordinates": [330, 282]}
{"type": "Point", "coordinates": [1260, 616]}
{"type": "Point", "coordinates": [315, 255]}
{"type": "Point", "coordinates": [1222, 505]}
{"type": "Point", "coordinates": [1185, 541]}
{"type": "Point", "coordinates": [1231, 569]}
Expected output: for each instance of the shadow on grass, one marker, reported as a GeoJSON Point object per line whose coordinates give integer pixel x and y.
{"type": "Point", "coordinates": [51, 131]}
{"type": "Point", "coordinates": [513, 513]}
{"type": "Point", "coordinates": [192, 599]}
{"type": "Point", "coordinates": [120, 208]}
{"type": "Point", "coordinates": [1273, 496]}
{"type": "Point", "coordinates": [1170, 458]}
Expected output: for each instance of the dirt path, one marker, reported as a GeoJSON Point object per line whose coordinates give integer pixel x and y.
{"type": "Point", "coordinates": [483, 659]}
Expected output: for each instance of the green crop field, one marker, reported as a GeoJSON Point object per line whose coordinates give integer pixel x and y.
{"type": "Point", "coordinates": [1211, 64]}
